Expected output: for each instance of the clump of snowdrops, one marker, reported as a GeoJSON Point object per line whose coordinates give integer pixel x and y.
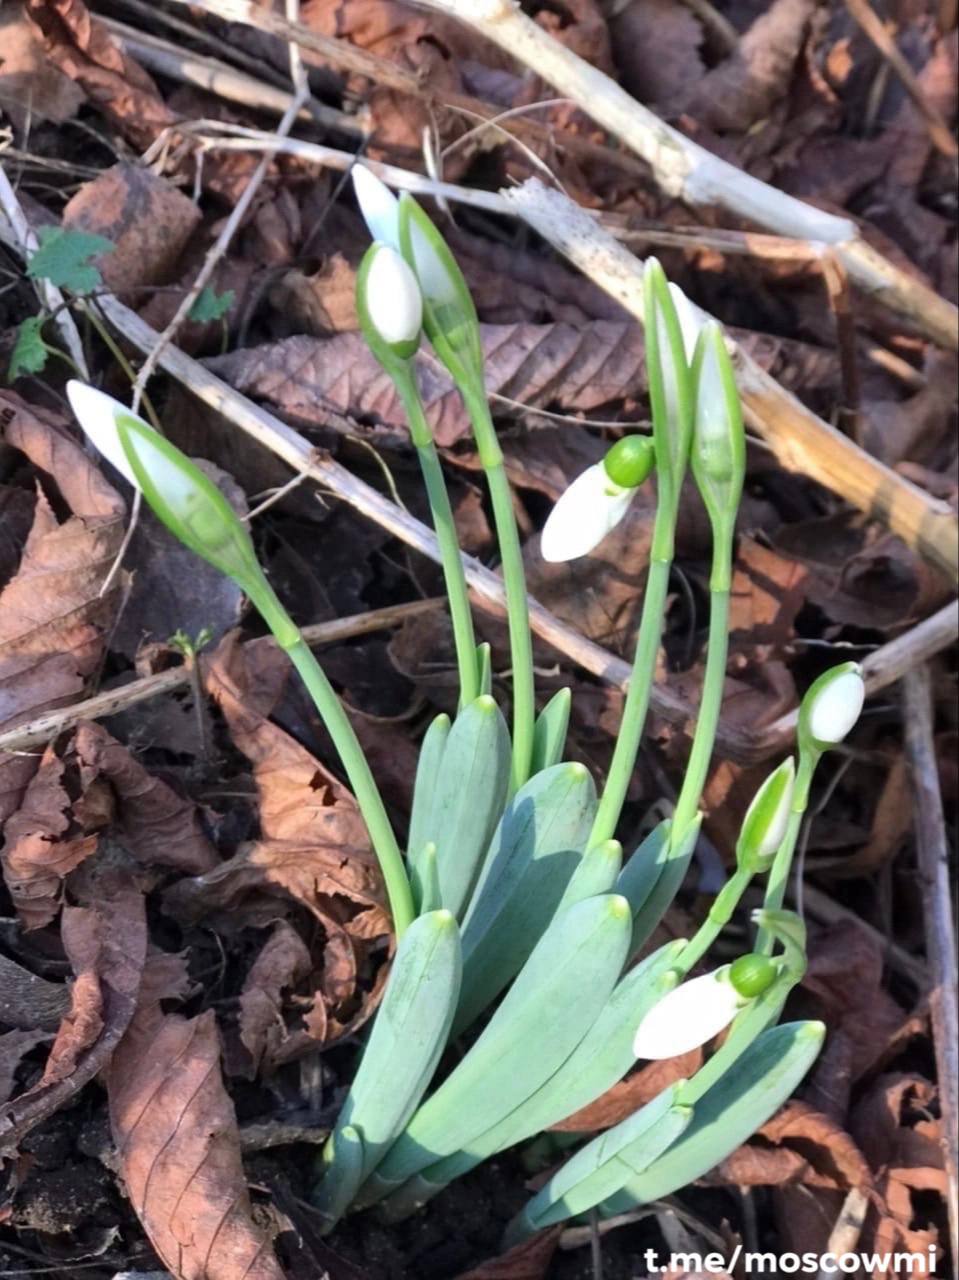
{"type": "Point", "coordinates": [518, 919]}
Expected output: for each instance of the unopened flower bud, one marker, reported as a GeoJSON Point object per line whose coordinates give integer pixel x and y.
{"type": "Point", "coordinates": [389, 302]}
{"type": "Point", "coordinates": [718, 456]}
{"type": "Point", "coordinates": [766, 819]}
{"type": "Point", "coordinates": [832, 706]}
{"type": "Point", "coordinates": [378, 205]}
{"type": "Point", "coordinates": [688, 1016]}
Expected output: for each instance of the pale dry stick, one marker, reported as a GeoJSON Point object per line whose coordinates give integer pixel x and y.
{"type": "Point", "coordinates": [390, 75]}
{"type": "Point", "coordinates": [932, 855]}
{"type": "Point", "coordinates": [875, 29]}
{"type": "Point", "coordinates": [800, 440]}
{"type": "Point", "coordinates": [686, 171]}
{"type": "Point", "coordinates": [848, 1227]}
{"type": "Point", "coordinates": [51, 295]}
{"type": "Point", "coordinates": [219, 78]}
{"type": "Point", "coordinates": [837, 289]}
{"type": "Point", "coordinates": [41, 729]}
{"type": "Point", "coordinates": [884, 666]}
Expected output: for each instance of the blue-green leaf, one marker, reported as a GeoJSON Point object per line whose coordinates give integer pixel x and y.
{"type": "Point", "coordinates": [549, 734]}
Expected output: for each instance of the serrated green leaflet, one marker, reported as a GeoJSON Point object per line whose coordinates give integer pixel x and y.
{"type": "Point", "coordinates": [472, 782]}
{"type": "Point", "coordinates": [404, 1047]}
{"type": "Point", "coordinates": [601, 1058]}
{"type": "Point", "coordinates": [549, 734]}
{"type": "Point", "coordinates": [534, 852]}
{"type": "Point", "coordinates": [30, 352]}
{"type": "Point", "coordinates": [63, 258]}
{"type": "Point", "coordinates": [736, 1106]}
{"type": "Point", "coordinates": [550, 1007]}
{"type": "Point", "coordinates": [604, 1165]}
{"type": "Point", "coordinates": [424, 786]}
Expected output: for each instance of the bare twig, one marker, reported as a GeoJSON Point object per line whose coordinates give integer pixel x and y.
{"type": "Point", "coordinates": [932, 851]}
{"type": "Point", "coordinates": [848, 1226]}
{"type": "Point", "coordinates": [686, 171]}
{"type": "Point", "coordinates": [40, 730]}
{"type": "Point", "coordinates": [800, 440]}
{"type": "Point", "coordinates": [875, 29]}
{"type": "Point", "coordinates": [837, 287]}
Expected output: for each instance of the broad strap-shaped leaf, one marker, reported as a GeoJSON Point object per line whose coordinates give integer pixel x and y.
{"type": "Point", "coordinates": [602, 1167]}
{"type": "Point", "coordinates": [597, 872]}
{"type": "Point", "coordinates": [424, 788]}
{"type": "Point", "coordinates": [551, 1006]}
{"type": "Point", "coordinates": [408, 1037]}
{"type": "Point", "coordinates": [673, 864]}
{"type": "Point", "coordinates": [740, 1102]}
{"type": "Point", "coordinates": [536, 849]}
{"type": "Point", "coordinates": [549, 734]}
{"type": "Point", "coordinates": [468, 795]}
{"type": "Point", "coordinates": [641, 869]}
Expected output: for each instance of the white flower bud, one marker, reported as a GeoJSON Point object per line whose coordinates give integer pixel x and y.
{"type": "Point", "coordinates": [96, 413]}
{"type": "Point", "coordinates": [393, 299]}
{"type": "Point", "coordinates": [687, 1017]}
{"type": "Point", "coordinates": [835, 707]}
{"type": "Point", "coordinates": [689, 321]}
{"type": "Point", "coordinates": [591, 506]}
{"type": "Point", "coordinates": [378, 205]}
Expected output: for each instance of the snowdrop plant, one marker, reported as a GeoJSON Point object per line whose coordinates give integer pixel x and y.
{"type": "Point", "coordinates": [522, 930]}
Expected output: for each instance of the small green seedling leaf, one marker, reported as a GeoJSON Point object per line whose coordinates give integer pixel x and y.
{"type": "Point", "coordinates": [549, 735]}
{"type": "Point", "coordinates": [63, 258]}
{"type": "Point", "coordinates": [30, 352]}
{"type": "Point", "coordinates": [211, 305]}
{"type": "Point", "coordinates": [424, 787]}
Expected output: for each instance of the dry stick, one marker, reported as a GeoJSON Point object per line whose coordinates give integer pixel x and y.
{"type": "Point", "coordinates": [800, 440]}
{"type": "Point", "coordinates": [837, 288]}
{"type": "Point", "coordinates": [686, 171]}
{"type": "Point", "coordinates": [847, 1228]}
{"type": "Point", "coordinates": [932, 851]}
{"type": "Point", "coordinates": [875, 29]}
{"type": "Point", "coordinates": [387, 74]}
{"type": "Point", "coordinates": [51, 295]}
{"type": "Point", "coordinates": [41, 729]}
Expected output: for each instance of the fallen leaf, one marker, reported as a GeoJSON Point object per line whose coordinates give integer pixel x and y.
{"type": "Point", "coordinates": [80, 45]}
{"type": "Point", "coordinates": [741, 90]}
{"type": "Point", "coordinates": [53, 619]}
{"type": "Point", "coordinates": [15, 1045]}
{"type": "Point", "coordinates": [28, 1001]}
{"type": "Point", "coordinates": [527, 1261]}
{"type": "Point", "coordinates": [768, 591]}
{"type": "Point", "coordinates": [799, 1144]}
{"type": "Point", "coordinates": [145, 217]}
{"type": "Point", "coordinates": [632, 1093]}
{"type": "Point", "coordinates": [283, 962]}
{"type": "Point", "coordinates": [178, 1142]}
{"type": "Point", "coordinates": [656, 44]}
{"type": "Point", "coordinates": [31, 86]}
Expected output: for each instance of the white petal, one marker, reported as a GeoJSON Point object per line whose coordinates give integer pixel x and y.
{"type": "Point", "coordinates": [688, 1017]}
{"type": "Point", "coordinates": [378, 205]}
{"type": "Point", "coordinates": [837, 707]}
{"type": "Point", "coordinates": [689, 319]}
{"type": "Point", "coordinates": [393, 297]}
{"type": "Point", "coordinates": [96, 413]}
{"type": "Point", "coordinates": [435, 281]}
{"type": "Point", "coordinates": [591, 506]}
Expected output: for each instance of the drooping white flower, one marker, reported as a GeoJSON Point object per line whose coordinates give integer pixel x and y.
{"type": "Point", "coordinates": [394, 303]}
{"type": "Point", "coordinates": [96, 413]}
{"type": "Point", "coordinates": [378, 205]}
{"type": "Point", "coordinates": [688, 1016]}
{"type": "Point", "coordinates": [835, 707]}
{"type": "Point", "coordinates": [591, 506]}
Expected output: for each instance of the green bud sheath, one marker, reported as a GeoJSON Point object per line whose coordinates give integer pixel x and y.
{"type": "Point", "coordinates": [718, 458]}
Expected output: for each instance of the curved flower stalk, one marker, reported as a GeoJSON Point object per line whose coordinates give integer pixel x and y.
{"type": "Point", "coordinates": [196, 512]}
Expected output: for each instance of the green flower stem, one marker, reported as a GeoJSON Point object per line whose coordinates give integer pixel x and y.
{"type": "Point", "coordinates": [637, 701]}
{"type": "Point", "coordinates": [514, 580]}
{"type": "Point", "coordinates": [782, 864]}
{"type": "Point", "coordinates": [456, 590]}
{"type": "Point", "coordinates": [714, 679]}
{"type": "Point", "coordinates": [357, 769]}
{"type": "Point", "coordinates": [720, 914]}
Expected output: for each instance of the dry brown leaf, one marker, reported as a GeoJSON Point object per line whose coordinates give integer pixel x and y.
{"type": "Point", "coordinates": [178, 1142]}
{"type": "Point", "coordinates": [83, 49]}
{"type": "Point", "coordinates": [106, 945]}
{"type": "Point", "coordinates": [768, 591]}
{"type": "Point", "coordinates": [629, 1095]}
{"type": "Point", "coordinates": [657, 49]}
{"type": "Point", "coordinates": [31, 86]}
{"type": "Point", "coordinates": [53, 620]}
{"type": "Point", "coordinates": [82, 788]}
{"type": "Point", "coordinates": [146, 217]}
{"type": "Point", "coordinates": [536, 365]}
{"type": "Point", "coordinates": [824, 1155]}
{"type": "Point", "coordinates": [14, 1045]}
{"type": "Point", "coordinates": [740, 91]}
{"type": "Point", "coordinates": [527, 1261]}
{"type": "Point", "coordinates": [283, 962]}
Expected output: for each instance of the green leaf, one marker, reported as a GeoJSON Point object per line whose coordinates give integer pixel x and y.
{"type": "Point", "coordinates": [484, 665]}
{"type": "Point", "coordinates": [344, 1158]}
{"type": "Point", "coordinates": [408, 1037]}
{"type": "Point", "coordinates": [64, 256]}
{"type": "Point", "coordinates": [472, 783]}
{"type": "Point", "coordinates": [728, 1113]}
{"type": "Point", "coordinates": [549, 734]}
{"type": "Point", "coordinates": [602, 1167]}
{"type": "Point", "coordinates": [424, 787]}
{"type": "Point", "coordinates": [30, 352]}
{"type": "Point", "coordinates": [548, 1010]}
{"type": "Point", "coordinates": [537, 846]}
{"type": "Point", "coordinates": [597, 872]}
{"type": "Point", "coordinates": [211, 305]}
{"type": "Point", "coordinates": [673, 863]}
{"type": "Point", "coordinates": [641, 871]}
